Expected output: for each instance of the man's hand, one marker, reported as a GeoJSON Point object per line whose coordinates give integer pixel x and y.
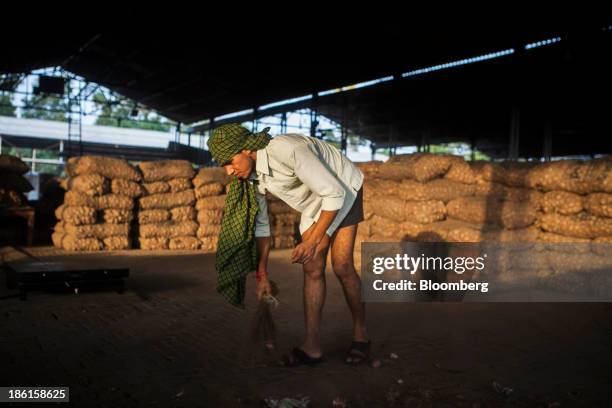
{"type": "Point", "coordinates": [263, 287]}
{"type": "Point", "coordinates": [304, 252]}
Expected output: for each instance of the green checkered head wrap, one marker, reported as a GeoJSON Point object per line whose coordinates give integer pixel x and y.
{"type": "Point", "coordinates": [228, 140]}
{"type": "Point", "coordinates": [236, 247]}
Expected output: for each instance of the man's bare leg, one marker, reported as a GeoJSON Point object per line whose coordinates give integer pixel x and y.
{"type": "Point", "coordinates": [342, 246]}
{"type": "Point", "coordinates": [314, 297]}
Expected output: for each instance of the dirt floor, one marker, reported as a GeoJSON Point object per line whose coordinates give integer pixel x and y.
{"type": "Point", "coordinates": [171, 341]}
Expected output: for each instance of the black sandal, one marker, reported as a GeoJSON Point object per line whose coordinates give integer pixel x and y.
{"type": "Point", "coordinates": [358, 352]}
{"type": "Point", "coordinates": [299, 357]}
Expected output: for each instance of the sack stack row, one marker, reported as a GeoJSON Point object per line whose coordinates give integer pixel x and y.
{"type": "Point", "coordinates": [210, 191]}
{"type": "Point", "coordinates": [166, 212]}
{"type": "Point", "coordinates": [98, 206]}
{"type": "Point", "coordinates": [284, 223]}
{"type": "Point", "coordinates": [443, 198]}
{"type": "Point", "coordinates": [13, 186]}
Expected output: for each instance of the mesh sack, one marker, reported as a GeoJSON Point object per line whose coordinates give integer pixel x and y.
{"type": "Point", "coordinates": [78, 199]}
{"type": "Point", "coordinates": [211, 203]}
{"type": "Point", "coordinates": [599, 204]}
{"type": "Point", "coordinates": [153, 216]}
{"type": "Point", "coordinates": [56, 238]}
{"type": "Point", "coordinates": [209, 189]}
{"type": "Point", "coordinates": [165, 170]}
{"type": "Point", "coordinates": [211, 175]}
{"type": "Point", "coordinates": [395, 171]}
{"type": "Point", "coordinates": [516, 174]}
{"type": "Point", "coordinates": [100, 231]}
{"type": "Point", "coordinates": [210, 216]}
{"type": "Point", "coordinates": [597, 175]}
{"type": "Point", "coordinates": [560, 175]}
{"type": "Point", "coordinates": [209, 243]}
{"type": "Point", "coordinates": [398, 210]}
{"type": "Point", "coordinates": [167, 200]}
{"type": "Point", "coordinates": [90, 184]}
{"type": "Point", "coordinates": [12, 164]}
{"type": "Point", "coordinates": [190, 243]}
{"type": "Point", "coordinates": [488, 171]}
{"type": "Point", "coordinates": [183, 213]}
{"type": "Point", "coordinates": [581, 225]}
{"type": "Point", "coordinates": [490, 190]}
{"type": "Point", "coordinates": [59, 227]}
{"type": "Point", "coordinates": [429, 166]}
{"type": "Point", "coordinates": [157, 187]}
{"type": "Point", "coordinates": [180, 184]}
{"type": "Point", "coordinates": [205, 230]}
{"type": "Point", "coordinates": [117, 243]}
{"type": "Point", "coordinates": [76, 215]}
{"type": "Point", "coordinates": [108, 167]}
{"type": "Point", "coordinates": [126, 188]}
{"type": "Point", "coordinates": [551, 237]}
{"type": "Point", "coordinates": [561, 202]}
{"type": "Point", "coordinates": [460, 172]}
{"type": "Point", "coordinates": [155, 243]}
{"type": "Point", "coordinates": [478, 210]}
{"type": "Point", "coordinates": [369, 168]}
{"type": "Point", "coordinates": [74, 243]}
{"type": "Point", "coordinates": [384, 226]}
{"type": "Point", "coordinates": [380, 187]}
{"type": "Point", "coordinates": [168, 229]}
{"type": "Point", "coordinates": [117, 216]}
{"type": "Point", "coordinates": [441, 190]}
{"type": "Point", "coordinates": [114, 201]}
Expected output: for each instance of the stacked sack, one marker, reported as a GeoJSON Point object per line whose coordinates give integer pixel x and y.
{"type": "Point", "coordinates": [210, 192]}
{"type": "Point", "coordinates": [98, 205]}
{"type": "Point", "coordinates": [443, 198]}
{"type": "Point", "coordinates": [166, 212]}
{"type": "Point", "coordinates": [577, 200]}
{"type": "Point", "coordinates": [13, 186]}
{"type": "Point", "coordinates": [284, 223]}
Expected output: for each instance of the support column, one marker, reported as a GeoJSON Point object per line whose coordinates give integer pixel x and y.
{"type": "Point", "coordinates": [513, 148]}
{"type": "Point", "coordinates": [547, 153]}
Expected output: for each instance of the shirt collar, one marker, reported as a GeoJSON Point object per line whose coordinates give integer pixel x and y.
{"type": "Point", "coordinates": [261, 165]}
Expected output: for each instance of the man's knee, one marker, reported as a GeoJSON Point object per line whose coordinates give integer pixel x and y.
{"type": "Point", "coordinates": [315, 268]}
{"type": "Point", "coordinates": [343, 267]}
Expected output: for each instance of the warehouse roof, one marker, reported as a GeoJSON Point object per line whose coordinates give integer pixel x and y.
{"type": "Point", "coordinates": [189, 76]}
{"type": "Point", "coordinates": [424, 97]}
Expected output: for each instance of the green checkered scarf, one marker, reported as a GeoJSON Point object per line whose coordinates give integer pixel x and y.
{"type": "Point", "coordinates": [236, 248]}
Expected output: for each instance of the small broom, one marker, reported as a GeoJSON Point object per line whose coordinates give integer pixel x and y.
{"type": "Point", "coordinates": [262, 328]}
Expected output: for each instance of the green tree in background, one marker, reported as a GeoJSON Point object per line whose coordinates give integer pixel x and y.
{"type": "Point", "coordinates": [6, 106]}
{"type": "Point", "coordinates": [46, 107]}
{"type": "Point", "coordinates": [117, 113]}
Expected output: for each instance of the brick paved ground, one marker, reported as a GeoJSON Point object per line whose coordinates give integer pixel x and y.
{"type": "Point", "coordinates": [170, 341]}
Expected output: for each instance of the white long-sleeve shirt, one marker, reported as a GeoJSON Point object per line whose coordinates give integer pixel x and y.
{"type": "Point", "coordinates": [309, 175]}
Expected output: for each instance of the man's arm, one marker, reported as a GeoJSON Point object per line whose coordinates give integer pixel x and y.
{"type": "Point", "coordinates": [309, 168]}
{"type": "Point", "coordinates": [263, 243]}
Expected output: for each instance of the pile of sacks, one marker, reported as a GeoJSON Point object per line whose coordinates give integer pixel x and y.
{"type": "Point", "coordinates": [210, 192]}
{"type": "Point", "coordinates": [166, 212]}
{"type": "Point", "coordinates": [13, 186]}
{"type": "Point", "coordinates": [98, 205]}
{"type": "Point", "coordinates": [443, 198]}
